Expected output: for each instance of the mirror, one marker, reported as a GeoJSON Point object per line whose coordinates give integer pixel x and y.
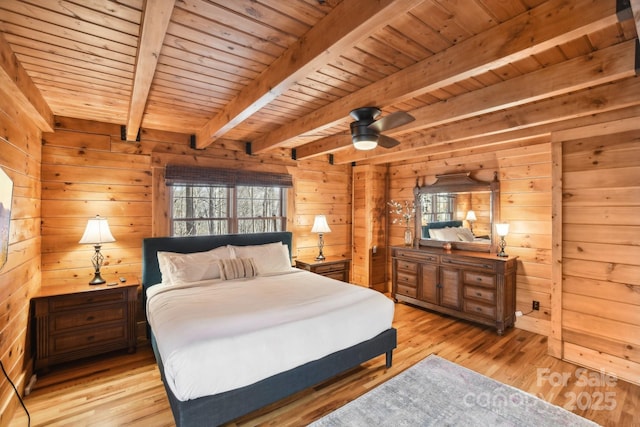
{"type": "Point", "coordinates": [459, 210]}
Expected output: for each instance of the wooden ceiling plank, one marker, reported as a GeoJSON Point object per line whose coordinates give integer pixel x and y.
{"type": "Point", "coordinates": [17, 85]}
{"type": "Point", "coordinates": [155, 20]}
{"type": "Point", "coordinates": [550, 115]}
{"type": "Point", "coordinates": [60, 23]}
{"type": "Point", "coordinates": [554, 22]}
{"type": "Point", "coordinates": [53, 68]}
{"type": "Point", "coordinates": [348, 23]}
{"type": "Point", "coordinates": [243, 33]}
{"type": "Point", "coordinates": [32, 45]}
{"type": "Point", "coordinates": [51, 42]}
{"type": "Point", "coordinates": [28, 55]}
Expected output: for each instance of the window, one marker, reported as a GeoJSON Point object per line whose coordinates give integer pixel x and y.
{"type": "Point", "coordinates": [438, 207]}
{"type": "Point", "coordinates": [221, 201]}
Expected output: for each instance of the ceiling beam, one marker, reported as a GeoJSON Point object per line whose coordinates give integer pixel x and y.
{"type": "Point", "coordinates": [347, 24]}
{"type": "Point", "coordinates": [530, 119]}
{"type": "Point", "coordinates": [155, 20]}
{"type": "Point", "coordinates": [550, 24]}
{"type": "Point", "coordinates": [610, 64]}
{"type": "Point", "coordinates": [19, 87]}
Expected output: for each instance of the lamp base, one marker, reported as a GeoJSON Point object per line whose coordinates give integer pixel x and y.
{"type": "Point", "coordinates": [320, 257]}
{"type": "Point", "coordinates": [97, 280]}
{"type": "Point", "coordinates": [502, 254]}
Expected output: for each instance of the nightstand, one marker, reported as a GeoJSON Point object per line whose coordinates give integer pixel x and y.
{"type": "Point", "coordinates": [81, 320]}
{"type": "Point", "coordinates": [334, 267]}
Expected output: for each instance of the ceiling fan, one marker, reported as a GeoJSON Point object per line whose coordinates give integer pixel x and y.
{"type": "Point", "coordinates": [366, 130]}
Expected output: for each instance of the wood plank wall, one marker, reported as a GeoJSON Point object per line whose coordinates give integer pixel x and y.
{"type": "Point", "coordinates": [88, 170]}
{"type": "Point", "coordinates": [20, 276]}
{"type": "Point", "coordinates": [601, 250]}
{"type": "Point", "coordinates": [368, 267]}
{"type": "Point", "coordinates": [524, 171]}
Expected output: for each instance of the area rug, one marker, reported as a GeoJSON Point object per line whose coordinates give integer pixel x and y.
{"type": "Point", "coordinates": [436, 392]}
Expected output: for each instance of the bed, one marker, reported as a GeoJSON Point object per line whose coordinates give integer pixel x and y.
{"type": "Point", "coordinates": [205, 408]}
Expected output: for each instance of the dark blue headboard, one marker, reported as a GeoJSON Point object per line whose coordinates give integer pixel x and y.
{"type": "Point", "coordinates": [151, 245]}
{"type": "Point", "coordinates": [441, 224]}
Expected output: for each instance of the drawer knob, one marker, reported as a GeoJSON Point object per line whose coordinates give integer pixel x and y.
{"type": "Point", "coordinates": [90, 318]}
{"type": "Point", "coordinates": [478, 294]}
{"type": "Point", "coordinates": [90, 338]}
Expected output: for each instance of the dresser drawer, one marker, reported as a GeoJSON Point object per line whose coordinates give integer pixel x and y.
{"type": "Point", "coordinates": [479, 279]}
{"type": "Point", "coordinates": [419, 256]}
{"type": "Point", "coordinates": [406, 266]}
{"type": "Point", "coordinates": [409, 291]}
{"type": "Point", "coordinates": [407, 279]}
{"type": "Point", "coordinates": [468, 262]}
{"type": "Point", "coordinates": [480, 309]}
{"type": "Point", "coordinates": [483, 294]}
{"type": "Point", "coordinates": [82, 300]}
{"type": "Point", "coordinates": [78, 319]}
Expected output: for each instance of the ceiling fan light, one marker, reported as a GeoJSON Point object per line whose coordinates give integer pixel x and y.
{"type": "Point", "coordinates": [365, 142]}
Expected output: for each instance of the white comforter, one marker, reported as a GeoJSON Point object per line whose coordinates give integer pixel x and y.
{"type": "Point", "coordinates": [214, 336]}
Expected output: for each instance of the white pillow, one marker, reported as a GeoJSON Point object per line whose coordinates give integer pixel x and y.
{"type": "Point", "coordinates": [191, 267]}
{"type": "Point", "coordinates": [465, 235]}
{"type": "Point", "coordinates": [449, 234]}
{"type": "Point", "coordinates": [269, 258]}
{"type": "Point", "coordinates": [435, 233]}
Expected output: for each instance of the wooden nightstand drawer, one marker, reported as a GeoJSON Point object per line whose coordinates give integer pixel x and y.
{"type": "Point", "coordinates": [334, 267]}
{"type": "Point", "coordinates": [329, 268]}
{"type": "Point", "coordinates": [85, 299]}
{"type": "Point", "coordinates": [88, 338]}
{"type": "Point", "coordinates": [76, 319]}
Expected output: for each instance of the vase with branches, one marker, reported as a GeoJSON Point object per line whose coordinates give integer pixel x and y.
{"type": "Point", "coordinates": [404, 214]}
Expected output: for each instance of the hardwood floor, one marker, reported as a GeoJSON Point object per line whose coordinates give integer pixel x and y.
{"type": "Point", "coordinates": [125, 389]}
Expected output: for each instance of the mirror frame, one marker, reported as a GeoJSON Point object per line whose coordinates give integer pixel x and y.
{"type": "Point", "coordinates": [460, 183]}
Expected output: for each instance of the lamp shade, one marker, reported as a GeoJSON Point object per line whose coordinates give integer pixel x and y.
{"type": "Point", "coordinates": [320, 225]}
{"type": "Point", "coordinates": [502, 229]}
{"type": "Point", "coordinates": [97, 232]}
{"type": "Point", "coordinates": [471, 216]}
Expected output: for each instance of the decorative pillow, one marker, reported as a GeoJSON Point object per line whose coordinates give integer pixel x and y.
{"type": "Point", "coordinates": [236, 268]}
{"type": "Point", "coordinates": [192, 267]}
{"type": "Point", "coordinates": [269, 258]}
{"type": "Point", "coordinates": [450, 234]}
{"type": "Point", "coordinates": [465, 235]}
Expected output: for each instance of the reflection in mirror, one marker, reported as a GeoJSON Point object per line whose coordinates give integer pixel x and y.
{"type": "Point", "coordinates": [459, 210]}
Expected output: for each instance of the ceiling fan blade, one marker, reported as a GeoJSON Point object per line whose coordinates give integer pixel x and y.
{"type": "Point", "coordinates": [391, 121]}
{"type": "Point", "coordinates": [387, 142]}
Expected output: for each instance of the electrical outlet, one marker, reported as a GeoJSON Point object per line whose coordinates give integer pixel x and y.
{"type": "Point", "coordinates": [536, 305]}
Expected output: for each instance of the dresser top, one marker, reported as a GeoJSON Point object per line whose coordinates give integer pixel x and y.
{"type": "Point", "coordinates": [440, 251]}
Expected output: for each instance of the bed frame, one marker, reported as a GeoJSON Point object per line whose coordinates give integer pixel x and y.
{"type": "Point", "coordinates": [224, 407]}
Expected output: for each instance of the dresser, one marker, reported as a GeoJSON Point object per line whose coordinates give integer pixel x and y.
{"type": "Point", "coordinates": [77, 321]}
{"type": "Point", "coordinates": [475, 286]}
{"type": "Point", "coordinates": [334, 267]}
